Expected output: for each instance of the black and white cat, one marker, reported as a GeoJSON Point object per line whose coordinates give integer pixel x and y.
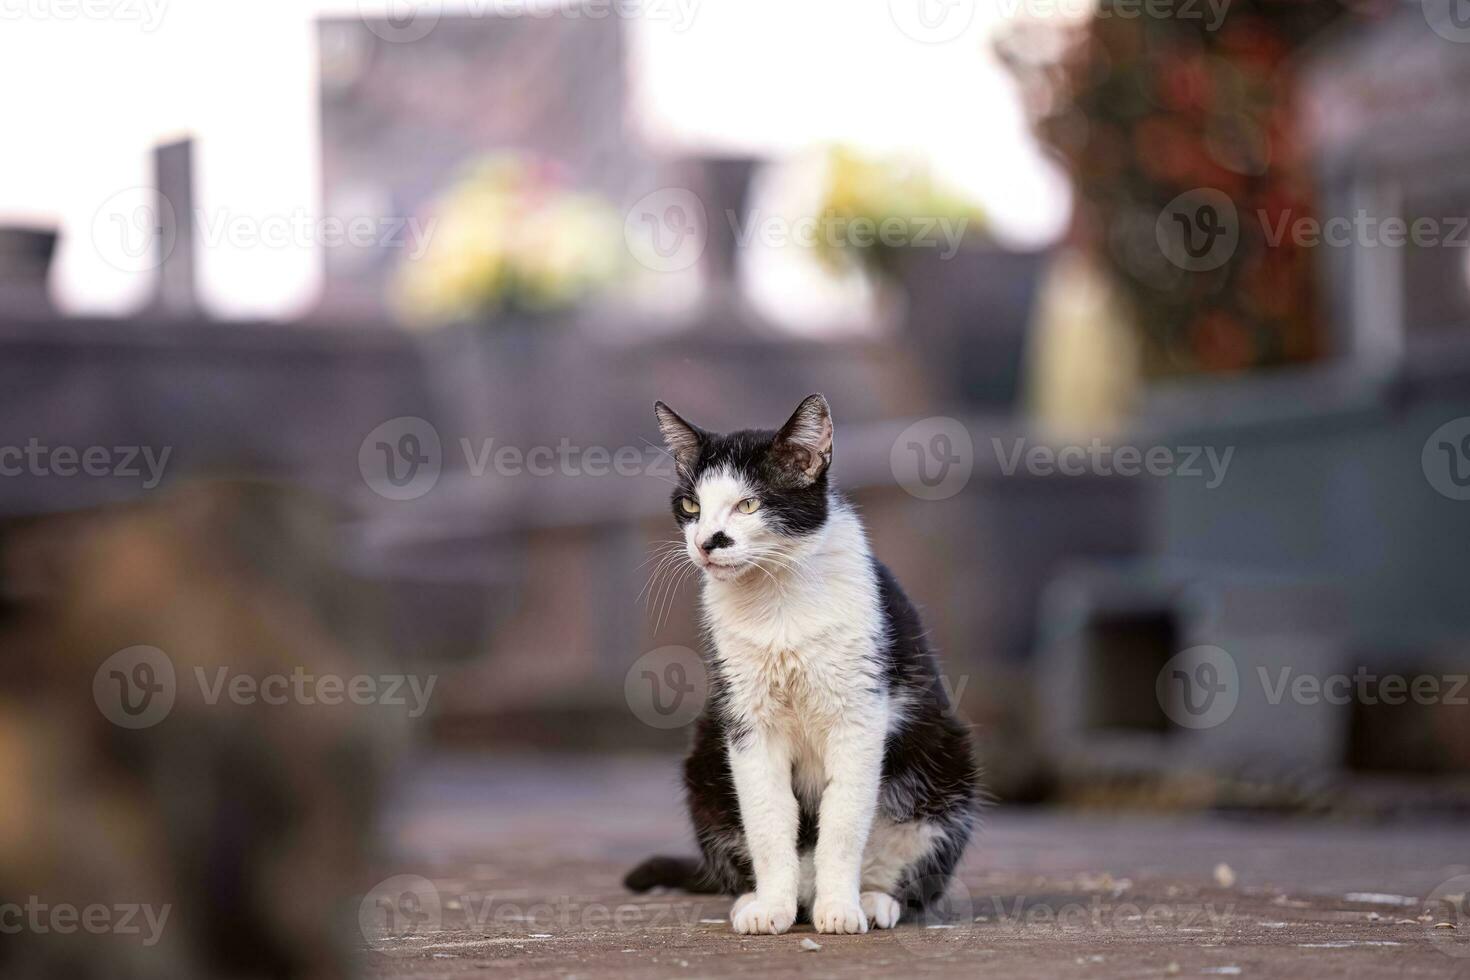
{"type": "Point", "coordinates": [828, 772]}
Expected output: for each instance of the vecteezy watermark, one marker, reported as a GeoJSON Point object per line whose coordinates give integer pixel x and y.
{"type": "Point", "coordinates": [138, 688]}
{"type": "Point", "coordinates": [1363, 686]}
{"type": "Point", "coordinates": [564, 459]}
{"type": "Point", "coordinates": [939, 232]}
{"type": "Point", "coordinates": [304, 688]}
{"type": "Point", "coordinates": [1446, 459]}
{"type": "Point", "coordinates": [145, 463]}
{"type": "Point", "coordinates": [63, 919]}
{"type": "Point", "coordinates": [147, 14]}
{"type": "Point", "coordinates": [1199, 687]}
{"type": "Point", "coordinates": [1363, 229]}
{"type": "Point", "coordinates": [942, 904]}
{"type": "Point", "coordinates": [1212, 12]}
{"type": "Point", "coordinates": [933, 458]}
{"type": "Point", "coordinates": [1449, 916]}
{"type": "Point", "coordinates": [1101, 914]}
{"type": "Point", "coordinates": [667, 230]}
{"type": "Point", "coordinates": [667, 687]}
{"type": "Point", "coordinates": [1199, 230]}
{"type": "Point", "coordinates": [299, 229]}
{"type": "Point", "coordinates": [403, 458]}
{"type": "Point", "coordinates": [932, 21]}
{"type": "Point", "coordinates": [405, 21]}
{"type": "Point", "coordinates": [398, 909]}
{"type": "Point", "coordinates": [135, 230]}
{"type": "Point", "coordinates": [135, 687]}
{"type": "Point", "coordinates": [1450, 19]}
{"type": "Point", "coordinates": [1100, 459]}
{"type": "Point", "coordinates": [400, 915]}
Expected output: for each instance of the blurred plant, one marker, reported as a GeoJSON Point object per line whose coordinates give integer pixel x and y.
{"type": "Point", "coordinates": [865, 195]}
{"type": "Point", "coordinates": [508, 236]}
{"type": "Point", "coordinates": [1144, 109]}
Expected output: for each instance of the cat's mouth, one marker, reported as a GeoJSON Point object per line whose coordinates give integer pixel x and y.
{"type": "Point", "coordinates": [724, 571]}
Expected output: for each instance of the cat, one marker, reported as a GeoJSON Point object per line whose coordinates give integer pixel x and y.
{"type": "Point", "coordinates": [829, 780]}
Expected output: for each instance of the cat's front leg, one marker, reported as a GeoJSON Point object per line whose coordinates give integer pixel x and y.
{"type": "Point", "coordinates": [854, 763]}
{"type": "Point", "coordinates": [761, 766]}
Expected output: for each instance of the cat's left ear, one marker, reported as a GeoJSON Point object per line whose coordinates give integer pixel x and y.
{"type": "Point", "coordinates": [804, 443]}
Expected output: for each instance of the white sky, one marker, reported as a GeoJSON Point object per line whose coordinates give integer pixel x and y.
{"type": "Point", "coordinates": [91, 85]}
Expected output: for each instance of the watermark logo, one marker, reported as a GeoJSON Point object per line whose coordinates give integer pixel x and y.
{"type": "Point", "coordinates": [667, 687]}
{"type": "Point", "coordinates": [148, 14]}
{"type": "Point", "coordinates": [135, 688]}
{"type": "Point", "coordinates": [1098, 458]}
{"type": "Point", "coordinates": [1449, 906]}
{"type": "Point", "coordinates": [1199, 230]}
{"type": "Point", "coordinates": [1211, 12]}
{"type": "Point", "coordinates": [1199, 688]}
{"type": "Point", "coordinates": [666, 231]}
{"type": "Point", "coordinates": [135, 230]}
{"type": "Point", "coordinates": [301, 229]}
{"type": "Point", "coordinates": [402, 458]}
{"type": "Point", "coordinates": [1446, 459]}
{"type": "Point", "coordinates": [404, 21]}
{"type": "Point", "coordinates": [1362, 228]}
{"type": "Point", "coordinates": [947, 905]}
{"type": "Point", "coordinates": [399, 908]}
{"type": "Point", "coordinates": [1450, 19]}
{"type": "Point", "coordinates": [1102, 914]}
{"type": "Point", "coordinates": [932, 21]}
{"type": "Point", "coordinates": [64, 919]}
{"type": "Point", "coordinates": [933, 458]}
{"type": "Point", "coordinates": [834, 231]}
{"type": "Point", "coordinates": [35, 458]}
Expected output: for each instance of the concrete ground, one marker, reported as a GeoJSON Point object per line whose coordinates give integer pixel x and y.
{"type": "Point", "coordinates": [512, 868]}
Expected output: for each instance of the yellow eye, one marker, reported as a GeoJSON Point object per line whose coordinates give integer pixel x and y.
{"type": "Point", "coordinates": [748, 506]}
{"type": "Point", "coordinates": [688, 505]}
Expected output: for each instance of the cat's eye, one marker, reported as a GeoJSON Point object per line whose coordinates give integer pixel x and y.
{"type": "Point", "coordinates": [748, 506]}
{"type": "Point", "coordinates": [688, 505]}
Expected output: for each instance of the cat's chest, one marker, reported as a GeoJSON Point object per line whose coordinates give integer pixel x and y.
{"type": "Point", "coordinates": [797, 689]}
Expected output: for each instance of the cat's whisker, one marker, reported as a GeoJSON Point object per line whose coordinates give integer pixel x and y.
{"type": "Point", "coordinates": [665, 563]}
{"type": "Point", "coordinates": [673, 593]}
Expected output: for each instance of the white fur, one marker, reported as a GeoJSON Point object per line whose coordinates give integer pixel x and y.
{"type": "Point", "coordinates": [796, 627]}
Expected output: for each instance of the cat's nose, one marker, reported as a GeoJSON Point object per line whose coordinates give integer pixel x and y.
{"type": "Point", "coordinates": [716, 541]}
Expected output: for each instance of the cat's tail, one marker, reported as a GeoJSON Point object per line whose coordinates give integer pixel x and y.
{"type": "Point", "coordinates": [684, 873]}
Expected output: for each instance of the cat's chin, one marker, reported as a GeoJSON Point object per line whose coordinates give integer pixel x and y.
{"type": "Point", "coordinates": [727, 573]}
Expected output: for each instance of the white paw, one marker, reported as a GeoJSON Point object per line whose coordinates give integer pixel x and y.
{"type": "Point", "coordinates": [756, 916]}
{"type": "Point", "coordinates": [842, 915]}
{"type": "Point", "coordinates": [881, 909]}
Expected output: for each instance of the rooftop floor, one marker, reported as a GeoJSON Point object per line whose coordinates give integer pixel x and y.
{"type": "Point", "coordinates": [525, 858]}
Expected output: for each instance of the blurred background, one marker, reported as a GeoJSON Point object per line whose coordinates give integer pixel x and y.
{"type": "Point", "coordinates": [329, 336]}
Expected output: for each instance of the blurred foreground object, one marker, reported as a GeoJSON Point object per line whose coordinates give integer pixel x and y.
{"type": "Point", "coordinates": [183, 829]}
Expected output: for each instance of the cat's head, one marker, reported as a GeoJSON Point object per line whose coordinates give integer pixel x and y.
{"type": "Point", "coordinates": [746, 499]}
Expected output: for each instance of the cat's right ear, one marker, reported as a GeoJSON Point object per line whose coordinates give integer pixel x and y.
{"type": "Point", "coordinates": [684, 439]}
